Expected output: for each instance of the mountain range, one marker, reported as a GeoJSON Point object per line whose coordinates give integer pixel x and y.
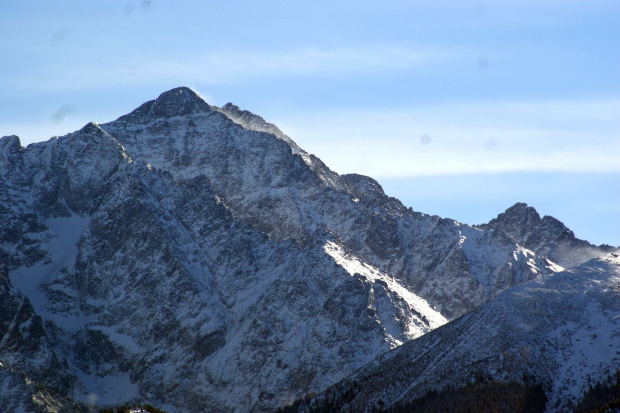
{"type": "Point", "coordinates": [194, 257]}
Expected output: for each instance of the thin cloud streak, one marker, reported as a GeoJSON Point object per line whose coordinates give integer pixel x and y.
{"type": "Point", "coordinates": [491, 137]}
{"type": "Point", "coordinates": [221, 68]}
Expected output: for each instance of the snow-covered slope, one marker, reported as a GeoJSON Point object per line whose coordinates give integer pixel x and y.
{"type": "Point", "coordinates": [195, 258]}
{"type": "Point", "coordinates": [562, 331]}
{"type": "Point", "coordinates": [25, 347]}
{"type": "Point", "coordinates": [282, 191]}
{"type": "Point", "coordinates": [545, 236]}
{"type": "Point", "coordinates": [147, 287]}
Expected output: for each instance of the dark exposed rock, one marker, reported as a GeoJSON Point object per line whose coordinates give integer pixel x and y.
{"type": "Point", "coordinates": [179, 101]}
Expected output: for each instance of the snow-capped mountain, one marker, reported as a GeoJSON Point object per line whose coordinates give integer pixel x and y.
{"type": "Point", "coordinates": [196, 258]}
{"type": "Point", "coordinates": [286, 193]}
{"type": "Point", "coordinates": [545, 236]}
{"type": "Point", "coordinates": [148, 286]}
{"type": "Point", "coordinates": [561, 331]}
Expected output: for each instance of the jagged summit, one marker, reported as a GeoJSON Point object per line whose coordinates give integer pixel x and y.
{"type": "Point", "coordinates": [183, 99]}
{"type": "Point", "coordinates": [91, 128]}
{"type": "Point", "coordinates": [547, 236]}
{"type": "Point", "coordinates": [180, 94]}
{"type": "Point", "coordinates": [9, 138]}
{"type": "Point", "coordinates": [9, 143]}
{"type": "Point", "coordinates": [179, 101]}
{"type": "Point", "coordinates": [529, 219]}
{"type": "Point", "coordinates": [520, 217]}
{"type": "Point", "coordinates": [363, 185]}
{"type": "Point", "coordinates": [232, 107]}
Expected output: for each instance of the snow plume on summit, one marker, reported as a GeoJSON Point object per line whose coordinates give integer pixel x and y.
{"type": "Point", "coordinates": [196, 258]}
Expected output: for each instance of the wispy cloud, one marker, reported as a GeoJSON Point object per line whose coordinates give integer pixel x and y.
{"type": "Point", "coordinates": [465, 138]}
{"type": "Point", "coordinates": [227, 67]}
{"type": "Point", "coordinates": [221, 67]}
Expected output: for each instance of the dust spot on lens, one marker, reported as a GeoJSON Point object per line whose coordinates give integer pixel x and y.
{"type": "Point", "coordinates": [128, 9]}
{"type": "Point", "coordinates": [62, 113]}
{"type": "Point", "coordinates": [483, 63]}
{"type": "Point", "coordinates": [490, 144]}
{"type": "Point", "coordinates": [425, 139]}
{"type": "Point", "coordinates": [59, 36]}
{"type": "Point", "coordinates": [481, 10]}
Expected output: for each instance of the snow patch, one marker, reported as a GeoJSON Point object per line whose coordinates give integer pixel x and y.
{"type": "Point", "coordinates": [60, 242]}
{"type": "Point", "coordinates": [354, 265]}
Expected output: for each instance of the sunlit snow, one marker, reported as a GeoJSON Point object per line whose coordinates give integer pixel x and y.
{"type": "Point", "coordinates": [416, 304]}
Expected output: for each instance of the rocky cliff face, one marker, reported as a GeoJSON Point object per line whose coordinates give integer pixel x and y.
{"type": "Point", "coordinates": [545, 236]}
{"type": "Point", "coordinates": [195, 258]}
{"type": "Point", "coordinates": [560, 331]}
{"type": "Point", "coordinates": [288, 194]}
{"type": "Point", "coordinates": [146, 286]}
{"type": "Point", "coordinates": [26, 345]}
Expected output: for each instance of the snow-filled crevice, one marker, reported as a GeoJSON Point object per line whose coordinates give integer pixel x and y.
{"type": "Point", "coordinates": [420, 317]}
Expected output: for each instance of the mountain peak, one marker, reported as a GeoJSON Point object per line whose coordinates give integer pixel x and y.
{"type": "Point", "coordinates": [180, 94]}
{"type": "Point", "coordinates": [179, 101]}
{"type": "Point", "coordinates": [10, 142]}
{"type": "Point", "coordinates": [521, 208]}
{"type": "Point", "coordinates": [546, 236]}
{"type": "Point", "coordinates": [92, 128]}
{"type": "Point", "coordinates": [231, 106]}
{"type": "Point", "coordinates": [363, 185]}
{"type": "Point", "coordinates": [176, 231]}
{"type": "Point", "coordinates": [517, 221]}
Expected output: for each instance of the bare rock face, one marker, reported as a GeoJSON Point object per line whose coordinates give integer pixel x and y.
{"type": "Point", "coordinates": [195, 258]}
{"type": "Point", "coordinates": [545, 236]}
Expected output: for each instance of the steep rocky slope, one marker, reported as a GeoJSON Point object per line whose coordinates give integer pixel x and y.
{"type": "Point", "coordinates": [181, 257]}
{"type": "Point", "coordinates": [25, 344]}
{"type": "Point", "coordinates": [288, 194]}
{"type": "Point", "coordinates": [144, 285]}
{"type": "Point", "coordinates": [561, 331]}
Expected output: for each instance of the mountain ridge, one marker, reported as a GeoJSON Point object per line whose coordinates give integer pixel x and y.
{"type": "Point", "coordinates": [266, 198]}
{"type": "Point", "coordinates": [123, 203]}
{"type": "Point", "coordinates": [558, 331]}
{"type": "Point", "coordinates": [178, 256]}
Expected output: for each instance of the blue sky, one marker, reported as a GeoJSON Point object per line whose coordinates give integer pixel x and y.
{"type": "Point", "coordinates": [459, 109]}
